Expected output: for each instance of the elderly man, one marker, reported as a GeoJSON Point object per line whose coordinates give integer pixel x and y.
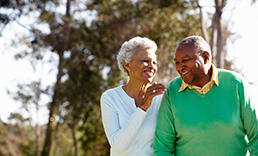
{"type": "Point", "coordinates": [206, 111]}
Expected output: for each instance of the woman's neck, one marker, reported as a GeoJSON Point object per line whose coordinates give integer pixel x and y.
{"type": "Point", "coordinates": [135, 90]}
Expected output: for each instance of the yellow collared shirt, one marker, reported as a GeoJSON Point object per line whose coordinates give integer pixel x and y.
{"type": "Point", "coordinates": [206, 88]}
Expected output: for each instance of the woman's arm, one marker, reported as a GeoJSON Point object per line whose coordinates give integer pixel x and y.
{"type": "Point", "coordinates": [119, 136]}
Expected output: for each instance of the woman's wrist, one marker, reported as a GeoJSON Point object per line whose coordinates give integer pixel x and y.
{"type": "Point", "coordinates": [143, 108]}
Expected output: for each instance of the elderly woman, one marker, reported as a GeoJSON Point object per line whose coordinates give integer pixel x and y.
{"type": "Point", "coordinates": [129, 112]}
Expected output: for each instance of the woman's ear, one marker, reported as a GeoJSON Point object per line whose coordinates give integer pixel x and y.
{"type": "Point", "coordinates": [127, 66]}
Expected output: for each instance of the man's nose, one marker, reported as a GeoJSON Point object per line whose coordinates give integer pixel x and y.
{"type": "Point", "coordinates": [181, 66]}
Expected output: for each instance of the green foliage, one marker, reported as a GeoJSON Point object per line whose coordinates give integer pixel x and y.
{"type": "Point", "coordinates": [27, 148]}
{"type": "Point", "coordinates": [93, 139]}
{"type": "Point", "coordinates": [81, 91]}
{"type": "Point", "coordinates": [3, 128]}
{"type": "Point", "coordinates": [62, 142]}
{"type": "Point", "coordinates": [17, 139]}
{"type": "Point", "coordinates": [18, 117]}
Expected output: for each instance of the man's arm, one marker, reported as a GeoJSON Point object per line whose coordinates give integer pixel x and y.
{"type": "Point", "coordinates": [165, 131]}
{"type": "Point", "coordinates": [249, 117]}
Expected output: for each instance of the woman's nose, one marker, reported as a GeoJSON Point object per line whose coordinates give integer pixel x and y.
{"type": "Point", "coordinates": [152, 65]}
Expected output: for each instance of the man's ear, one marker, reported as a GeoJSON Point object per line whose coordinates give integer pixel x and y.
{"type": "Point", "coordinates": [206, 57]}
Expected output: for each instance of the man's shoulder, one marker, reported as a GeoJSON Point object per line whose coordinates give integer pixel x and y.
{"type": "Point", "coordinates": [229, 75]}
{"type": "Point", "coordinates": [176, 82]}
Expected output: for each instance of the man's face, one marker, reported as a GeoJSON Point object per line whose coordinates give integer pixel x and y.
{"type": "Point", "coordinates": [190, 65]}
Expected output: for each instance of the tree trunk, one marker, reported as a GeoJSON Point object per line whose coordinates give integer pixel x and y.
{"type": "Point", "coordinates": [37, 128]}
{"type": "Point", "coordinates": [219, 4]}
{"type": "Point", "coordinates": [53, 105]}
{"type": "Point", "coordinates": [214, 36]}
{"type": "Point", "coordinates": [203, 25]}
{"type": "Point", "coordinates": [51, 121]}
{"type": "Point", "coordinates": [37, 132]}
{"type": "Point", "coordinates": [74, 139]}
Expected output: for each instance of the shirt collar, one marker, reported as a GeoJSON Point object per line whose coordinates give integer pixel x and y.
{"type": "Point", "coordinates": [214, 77]}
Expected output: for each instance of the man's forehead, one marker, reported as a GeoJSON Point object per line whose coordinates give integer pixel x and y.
{"type": "Point", "coordinates": [185, 49]}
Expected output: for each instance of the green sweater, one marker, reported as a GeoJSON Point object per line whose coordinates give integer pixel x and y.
{"type": "Point", "coordinates": [213, 124]}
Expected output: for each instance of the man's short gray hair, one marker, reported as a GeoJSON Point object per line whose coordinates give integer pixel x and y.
{"type": "Point", "coordinates": [197, 42]}
{"type": "Point", "coordinates": [129, 47]}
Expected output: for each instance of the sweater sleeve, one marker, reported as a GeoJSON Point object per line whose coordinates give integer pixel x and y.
{"type": "Point", "coordinates": [119, 136]}
{"type": "Point", "coordinates": [165, 132]}
{"type": "Point", "coordinates": [249, 117]}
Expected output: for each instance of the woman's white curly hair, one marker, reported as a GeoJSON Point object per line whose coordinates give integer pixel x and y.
{"type": "Point", "coordinates": [129, 47]}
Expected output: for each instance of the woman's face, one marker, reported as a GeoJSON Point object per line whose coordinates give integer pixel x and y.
{"type": "Point", "coordinates": [143, 65]}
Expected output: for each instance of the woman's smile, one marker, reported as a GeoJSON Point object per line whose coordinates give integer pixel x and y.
{"type": "Point", "coordinates": [150, 73]}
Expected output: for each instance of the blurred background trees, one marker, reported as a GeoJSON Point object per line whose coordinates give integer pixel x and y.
{"type": "Point", "coordinates": [81, 39]}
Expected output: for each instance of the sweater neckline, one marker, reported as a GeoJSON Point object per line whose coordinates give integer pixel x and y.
{"type": "Point", "coordinates": [127, 96]}
{"type": "Point", "coordinates": [123, 91]}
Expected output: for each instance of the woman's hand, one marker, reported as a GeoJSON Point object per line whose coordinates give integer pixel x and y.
{"type": "Point", "coordinates": [152, 91]}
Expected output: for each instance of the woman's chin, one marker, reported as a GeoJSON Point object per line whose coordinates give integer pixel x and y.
{"type": "Point", "coordinates": [150, 80]}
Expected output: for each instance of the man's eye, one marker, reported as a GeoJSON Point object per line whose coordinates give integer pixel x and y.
{"type": "Point", "coordinates": [185, 60]}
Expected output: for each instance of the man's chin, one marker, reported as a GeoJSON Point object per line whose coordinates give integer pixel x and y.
{"type": "Point", "coordinates": [187, 81]}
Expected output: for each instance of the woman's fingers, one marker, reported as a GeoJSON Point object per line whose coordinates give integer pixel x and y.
{"type": "Point", "coordinates": [152, 91]}
{"type": "Point", "coordinates": [157, 88]}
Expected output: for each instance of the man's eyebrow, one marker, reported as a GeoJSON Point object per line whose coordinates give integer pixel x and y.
{"type": "Point", "coordinates": [182, 57]}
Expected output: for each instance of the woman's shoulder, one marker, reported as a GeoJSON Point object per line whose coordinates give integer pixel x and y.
{"type": "Point", "coordinates": [157, 99]}
{"type": "Point", "coordinates": [111, 90]}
